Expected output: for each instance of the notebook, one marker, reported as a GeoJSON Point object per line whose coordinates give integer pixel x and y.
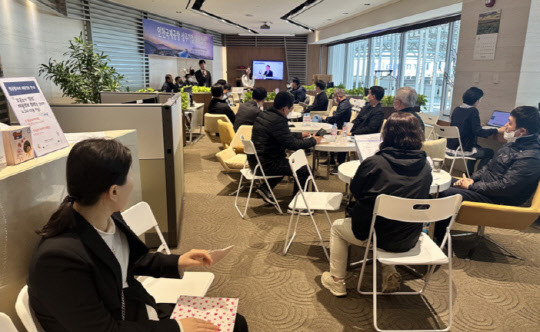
{"type": "Point", "coordinates": [219, 311]}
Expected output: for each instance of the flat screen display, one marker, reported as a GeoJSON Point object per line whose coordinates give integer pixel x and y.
{"type": "Point", "coordinates": [267, 70]}
{"type": "Point", "coordinates": [498, 119]}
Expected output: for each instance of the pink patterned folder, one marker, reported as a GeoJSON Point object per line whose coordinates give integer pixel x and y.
{"type": "Point", "coordinates": [219, 311]}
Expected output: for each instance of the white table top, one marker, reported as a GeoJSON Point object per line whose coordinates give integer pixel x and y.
{"type": "Point", "coordinates": [441, 180]}
{"type": "Point", "coordinates": [339, 145]}
{"type": "Point", "coordinates": [294, 115]}
{"type": "Point", "coordinates": [310, 127]}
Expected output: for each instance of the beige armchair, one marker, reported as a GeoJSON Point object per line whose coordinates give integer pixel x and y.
{"type": "Point", "coordinates": [231, 161]}
{"type": "Point", "coordinates": [435, 148]}
{"type": "Point", "coordinates": [211, 122]}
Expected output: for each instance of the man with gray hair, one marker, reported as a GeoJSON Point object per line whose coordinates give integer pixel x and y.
{"type": "Point", "coordinates": [405, 100]}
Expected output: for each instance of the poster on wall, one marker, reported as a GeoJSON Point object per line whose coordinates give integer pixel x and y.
{"type": "Point", "coordinates": [167, 40]}
{"type": "Point", "coordinates": [486, 35]}
{"type": "Point", "coordinates": [32, 109]}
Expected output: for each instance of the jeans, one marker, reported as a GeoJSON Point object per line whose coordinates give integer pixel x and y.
{"type": "Point", "coordinates": [482, 154]}
{"type": "Point", "coordinates": [341, 236]}
{"type": "Point", "coordinates": [468, 195]}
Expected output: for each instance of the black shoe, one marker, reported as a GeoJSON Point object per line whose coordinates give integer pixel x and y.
{"type": "Point", "coordinates": [334, 171]}
{"type": "Point", "coordinates": [265, 195]}
{"type": "Point", "coordinates": [325, 162]}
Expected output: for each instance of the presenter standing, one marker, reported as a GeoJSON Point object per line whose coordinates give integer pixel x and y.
{"type": "Point", "coordinates": [203, 76]}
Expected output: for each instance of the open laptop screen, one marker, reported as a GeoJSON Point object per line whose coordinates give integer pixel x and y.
{"type": "Point", "coordinates": [498, 119]}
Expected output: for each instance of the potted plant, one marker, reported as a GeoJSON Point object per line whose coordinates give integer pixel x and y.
{"type": "Point", "coordinates": [84, 75]}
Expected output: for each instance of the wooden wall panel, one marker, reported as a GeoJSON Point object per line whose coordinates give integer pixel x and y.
{"type": "Point", "coordinates": [244, 56]}
{"type": "Point", "coordinates": [317, 61]}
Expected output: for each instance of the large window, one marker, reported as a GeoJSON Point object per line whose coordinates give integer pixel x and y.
{"type": "Point", "coordinates": [422, 58]}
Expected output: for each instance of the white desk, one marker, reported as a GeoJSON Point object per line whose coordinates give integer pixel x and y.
{"type": "Point", "coordinates": [310, 127]}
{"type": "Point", "coordinates": [294, 116]}
{"type": "Point", "coordinates": [340, 145]}
{"type": "Point", "coordinates": [441, 180]}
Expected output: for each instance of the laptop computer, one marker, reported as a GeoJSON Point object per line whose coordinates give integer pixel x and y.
{"type": "Point", "coordinates": [498, 119]}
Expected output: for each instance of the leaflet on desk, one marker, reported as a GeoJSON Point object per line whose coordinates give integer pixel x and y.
{"type": "Point", "coordinates": [367, 145]}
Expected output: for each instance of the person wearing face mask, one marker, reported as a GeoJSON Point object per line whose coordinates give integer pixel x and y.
{"type": "Point", "coordinates": [321, 100]}
{"type": "Point", "coordinates": [467, 119]}
{"type": "Point", "coordinates": [341, 115]}
{"type": "Point", "coordinates": [272, 136]}
{"type": "Point", "coordinates": [227, 96]}
{"type": "Point", "coordinates": [511, 177]}
{"type": "Point", "coordinates": [248, 112]}
{"type": "Point", "coordinates": [371, 116]}
{"type": "Point", "coordinates": [218, 105]}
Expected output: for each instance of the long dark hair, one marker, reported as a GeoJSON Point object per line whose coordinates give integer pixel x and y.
{"type": "Point", "coordinates": [93, 166]}
{"type": "Point", "coordinates": [402, 131]}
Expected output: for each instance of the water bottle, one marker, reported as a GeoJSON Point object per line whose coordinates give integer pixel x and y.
{"type": "Point", "coordinates": [334, 131]}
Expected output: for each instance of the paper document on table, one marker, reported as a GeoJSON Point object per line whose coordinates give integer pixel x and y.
{"type": "Point", "coordinates": [219, 254]}
{"type": "Point", "coordinates": [219, 311]}
{"type": "Point", "coordinates": [367, 145]}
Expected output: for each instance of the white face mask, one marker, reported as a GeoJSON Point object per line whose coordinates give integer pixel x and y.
{"type": "Point", "coordinates": [192, 79]}
{"type": "Point", "coordinates": [510, 137]}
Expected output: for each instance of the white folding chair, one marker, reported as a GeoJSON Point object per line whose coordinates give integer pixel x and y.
{"type": "Point", "coordinates": [309, 200]}
{"type": "Point", "coordinates": [453, 132]}
{"type": "Point", "coordinates": [22, 306]}
{"type": "Point", "coordinates": [140, 219]}
{"type": "Point", "coordinates": [425, 252]}
{"type": "Point", "coordinates": [246, 173]}
{"type": "Point", "coordinates": [6, 325]}
{"type": "Point", "coordinates": [429, 122]}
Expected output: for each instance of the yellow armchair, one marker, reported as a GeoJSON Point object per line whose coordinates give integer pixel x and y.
{"type": "Point", "coordinates": [231, 161]}
{"type": "Point", "coordinates": [500, 216]}
{"type": "Point", "coordinates": [243, 131]}
{"type": "Point", "coordinates": [226, 133]}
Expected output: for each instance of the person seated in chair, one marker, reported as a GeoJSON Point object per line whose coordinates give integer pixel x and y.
{"type": "Point", "coordinates": [405, 100]}
{"type": "Point", "coordinates": [218, 105]}
{"type": "Point", "coordinates": [298, 91]}
{"type": "Point", "coordinates": [248, 112]}
{"type": "Point", "coordinates": [400, 169]}
{"type": "Point", "coordinates": [272, 136]}
{"type": "Point", "coordinates": [512, 176]}
{"type": "Point", "coordinates": [321, 100]}
{"type": "Point", "coordinates": [169, 85]}
{"type": "Point", "coordinates": [467, 119]}
{"type": "Point", "coordinates": [371, 116]}
{"type": "Point", "coordinates": [340, 116]}
{"type": "Point", "coordinates": [82, 273]}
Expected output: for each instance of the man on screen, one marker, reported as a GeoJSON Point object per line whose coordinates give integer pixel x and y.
{"type": "Point", "coordinates": [268, 72]}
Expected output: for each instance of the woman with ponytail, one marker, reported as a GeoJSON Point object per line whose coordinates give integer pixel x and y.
{"type": "Point", "coordinates": [82, 272]}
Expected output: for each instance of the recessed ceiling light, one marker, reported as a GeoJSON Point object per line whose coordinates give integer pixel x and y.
{"type": "Point", "coordinates": [249, 15]}
{"type": "Point", "coordinates": [367, 4]}
{"type": "Point", "coordinates": [329, 19]}
{"type": "Point", "coordinates": [345, 13]}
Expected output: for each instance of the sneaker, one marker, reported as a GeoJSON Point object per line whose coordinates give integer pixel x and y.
{"type": "Point", "coordinates": [335, 287]}
{"type": "Point", "coordinates": [334, 171]}
{"type": "Point", "coordinates": [304, 212]}
{"type": "Point", "coordinates": [325, 162]}
{"type": "Point", "coordinates": [265, 195]}
{"type": "Point", "coordinates": [391, 279]}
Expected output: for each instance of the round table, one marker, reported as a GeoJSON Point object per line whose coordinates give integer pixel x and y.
{"type": "Point", "coordinates": [310, 127]}
{"type": "Point", "coordinates": [339, 145]}
{"type": "Point", "coordinates": [294, 116]}
{"type": "Point", "coordinates": [441, 180]}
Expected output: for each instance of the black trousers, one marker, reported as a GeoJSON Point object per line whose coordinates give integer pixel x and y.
{"type": "Point", "coordinates": [484, 155]}
{"type": "Point", "coordinates": [341, 156]}
{"type": "Point", "coordinates": [283, 168]}
{"type": "Point", "coordinates": [468, 195]}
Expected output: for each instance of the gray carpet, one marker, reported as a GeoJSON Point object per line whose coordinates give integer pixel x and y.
{"type": "Point", "coordinates": [491, 292]}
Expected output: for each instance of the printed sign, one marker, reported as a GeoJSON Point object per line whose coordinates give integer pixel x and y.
{"type": "Point", "coordinates": [168, 40]}
{"type": "Point", "coordinates": [32, 109]}
{"type": "Point", "coordinates": [486, 35]}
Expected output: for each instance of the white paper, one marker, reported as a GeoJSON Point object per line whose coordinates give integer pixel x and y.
{"type": "Point", "coordinates": [219, 254]}
{"type": "Point", "coordinates": [32, 109]}
{"type": "Point", "coordinates": [367, 145]}
{"type": "Point", "coordinates": [73, 138]}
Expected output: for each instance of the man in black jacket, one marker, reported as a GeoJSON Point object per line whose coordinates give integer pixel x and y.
{"type": "Point", "coordinates": [271, 136]}
{"type": "Point", "coordinates": [169, 85]}
{"type": "Point", "coordinates": [203, 76]}
{"type": "Point", "coordinates": [248, 112]}
{"type": "Point", "coordinates": [298, 91]}
{"type": "Point", "coordinates": [512, 176]}
{"type": "Point", "coordinates": [405, 100]}
{"type": "Point", "coordinates": [321, 100]}
{"type": "Point", "coordinates": [340, 116]}
{"type": "Point", "coordinates": [467, 119]}
{"type": "Point", "coordinates": [371, 117]}
{"type": "Point", "coordinates": [219, 106]}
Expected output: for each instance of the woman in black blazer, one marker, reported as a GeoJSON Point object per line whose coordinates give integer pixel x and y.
{"type": "Point", "coordinates": [82, 272]}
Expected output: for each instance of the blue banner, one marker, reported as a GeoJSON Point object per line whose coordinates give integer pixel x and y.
{"type": "Point", "coordinates": [168, 40]}
{"type": "Point", "coordinates": [21, 88]}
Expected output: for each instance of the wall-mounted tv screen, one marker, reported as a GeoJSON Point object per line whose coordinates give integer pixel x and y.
{"type": "Point", "coordinates": [267, 70]}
